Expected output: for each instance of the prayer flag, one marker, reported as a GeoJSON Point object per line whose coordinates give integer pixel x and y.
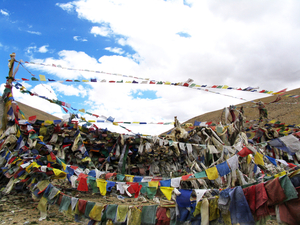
{"type": "Point", "coordinates": [167, 191]}
{"type": "Point", "coordinates": [212, 173]}
{"type": "Point", "coordinates": [258, 159]}
{"type": "Point", "coordinates": [42, 77]}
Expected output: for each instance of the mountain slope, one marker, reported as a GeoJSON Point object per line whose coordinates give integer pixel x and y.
{"type": "Point", "coordinates": [287, 111]}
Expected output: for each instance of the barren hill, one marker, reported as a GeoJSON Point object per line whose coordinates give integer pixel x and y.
{"type": "Point", "coordinates": [287, 110]}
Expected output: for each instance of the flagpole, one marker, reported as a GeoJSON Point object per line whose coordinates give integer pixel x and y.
{"type": "Point", "coordinates": [7, 91]}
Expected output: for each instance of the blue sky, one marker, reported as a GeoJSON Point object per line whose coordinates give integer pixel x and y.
{"type": "Point", "coordinates": [234, 43]}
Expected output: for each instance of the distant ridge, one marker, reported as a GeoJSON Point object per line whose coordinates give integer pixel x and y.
{"type": "Point", "coordinates": [284, 111]}
{"type": "Point", "coordinates": [40, 115]}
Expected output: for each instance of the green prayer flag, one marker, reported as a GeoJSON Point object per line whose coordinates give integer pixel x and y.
{"type": "Point", "coordinates": [151, 192]}
{"type": "Point", "coordinates": [34, 79]}
{"type": "Point", "coordinates": [200, 174]}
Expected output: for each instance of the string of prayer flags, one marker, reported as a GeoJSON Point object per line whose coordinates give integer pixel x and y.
{"type": "Point", "coordinates": [184, 84]}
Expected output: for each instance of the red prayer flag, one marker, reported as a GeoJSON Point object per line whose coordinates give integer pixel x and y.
{"type": "Point", "coordinates": [53, 157]}
{"type": "Point", "coordinates": [32, 119]}
{"type": "Point", "coordinates": [244, 152]}
{"type": "Point", "coordinates": [185, 177]}
{"type": "Point", "coordinates": [25, 79]}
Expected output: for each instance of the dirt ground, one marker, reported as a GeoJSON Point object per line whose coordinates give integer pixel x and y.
{"type": "Point", "coordinates": [21, 209]}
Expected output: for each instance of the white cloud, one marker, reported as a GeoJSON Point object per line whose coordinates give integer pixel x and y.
{"type": "Point", "coordinates": [43, 49]}
{"type": "Point", "coordinates": [4, 12]}
{"type": "Point", "coordinates": [102, 31]}
{"type": "Point", "coordinates": [34, 32]}
{"type": "Point", "coordinates": [67, 6]}
{"type": "Point", "coordinates": [30, 49]}
{"type": "Point", "coordinates": [249, 43]}
{"type": "Point", "coordinates": [78, 38]}
{"type": "Point", "coordinates": [115, 50]}
{"type": "Point", "coordinates": [69, 90]}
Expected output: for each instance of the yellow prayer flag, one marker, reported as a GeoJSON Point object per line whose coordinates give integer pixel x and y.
{"type": "Point", "coordinates": [270, 92]}
{"type": "Point", "coordinates": [249, 159]}
{"type": "Point", "coordinates": [167, 191]}
{"type": "Point", "coordinates": [272, 121]}
{"type": "Point", "coordinates": [101, 184]}
{"type": "Point", "coordinates": [48, 122]}
{"type": "Point", "coordinates": [23, 117]}
{"type": "Point", "coordinates": [58, 174]}
{"type": "Point", "coordinates": [96, 212]}
{"type": "Point", "coordinates": [115, 123]}
{"type": "Point", "coordinates": [212, 173]}
{"type": "Point", "coordinates": [86, 159]}
{"type": "Point", "coordinates": [128, 82]}
{"type": "Point", "coordinates": [129, 178]}
{"type": "Point", "coordinates": [280, 174]}
{"type": "Point", "coordinates": [167, 83]}
{"type": "Point", "coordinates": [41, 138]}
{"type": "Point", "coordinates": [122, 211]}
{"type": "Point", "coordinates": [42, 78]}
{"type": "Point", "coordinates": [81, 110]}
{"type": "Point", "coordinates": [42, 206]}
{"type": "Point", "coordinates": [32, 165]}
{"type": "Point", "coordinates": [18, 133]}
{"type": "Point", "coordinates": [225, 87]}
{"type": "Point", "coordinates": [7, 103]}
{"type": "Point", "coordinates": [85, 80]}
{"type": "Point", "coordinates": [16, 160]}
{"type": "Point", "coordinates": [64, 165]}
{"type": "Point", "coordinates": [153, 184]}
{"type": "Point", "coordinates": [91, 121]}
{"type": "Point", "coordinates": [135, 122]}
{"type": "Point", "coordinates": [258, 159]}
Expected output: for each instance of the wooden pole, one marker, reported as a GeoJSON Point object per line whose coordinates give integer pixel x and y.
{"type": "Point", "coordinates": [7, 91]}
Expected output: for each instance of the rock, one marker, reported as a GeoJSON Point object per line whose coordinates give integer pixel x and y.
{"type": "Point", "coordinates": [26, 223]}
